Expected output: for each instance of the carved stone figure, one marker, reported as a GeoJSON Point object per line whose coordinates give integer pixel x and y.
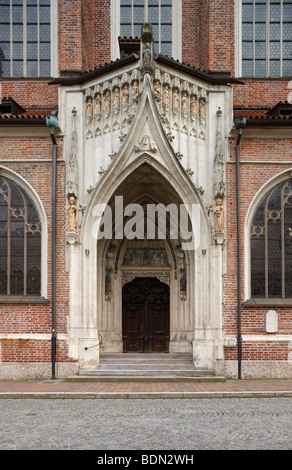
{"type": "Point", "coordinates": [202, 109]}
{"type": "Point", "coordinates": [183, 280]}
{"type": "Point", "coordinates": [145, 144]}
{"type": "Point", "coordinates": [185, 101]}
{"type": "Point", "coordinates": [72, 168]}
{"type": "Point", "coordinates": [157, 88]}
{"type": "Point", "coordinates": [166, 94]}
{"type": "Point", "coordinates": [108, 281]}
{"type": "Point", "coordinates": [147, 55]}
{"type": "Point", "coordinates": [194, 105]}
{"type": "Point", "coordinates": [72, 215]}
{"type": "Point", "coordinates": [89, 107]}
{"type": "Point", "coordinates": [219, 184]}
{"type": "Point", "coordinates": [219, 215]}
{"type": "Point", "coordinates": [107, 101]}
{"type": "Point", "coordinates": [125, 96]}
{"type": "Point", "coordinates": [175, 98]}
{"type": "Point", "coordinates": [116, 98]}
{"type": "Point", "coordinates": [135, 88]}
{"type": "Point", "coordinates": [98, 104]}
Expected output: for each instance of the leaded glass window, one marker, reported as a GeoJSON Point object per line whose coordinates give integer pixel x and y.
{"type": "Point", "coordinates": [266, 38]}
{"type": "Point", "coordinates": [25, 38]}
{"type": "Point", "coordinates": [20, 242]}
{"type": "Point", "coordinates": [271, 244]}
{"type": "Point", "coordinates": [133, 13]}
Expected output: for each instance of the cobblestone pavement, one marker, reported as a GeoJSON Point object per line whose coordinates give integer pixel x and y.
{"type": "Point", "coordinates": [163, 424]}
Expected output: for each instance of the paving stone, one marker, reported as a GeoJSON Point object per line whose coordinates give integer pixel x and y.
{"type": "Point", "coordinates": [161, 424]}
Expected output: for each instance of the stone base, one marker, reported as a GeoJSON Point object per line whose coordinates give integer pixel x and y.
{"type": "Point", "coordinates": [180, 347]}
{"type": "Point", "coordinates": [111, 347]}
{"type": "Point", "coordinates": [255, 369]}
{"type": "Point", "coordinates": [36, 371]}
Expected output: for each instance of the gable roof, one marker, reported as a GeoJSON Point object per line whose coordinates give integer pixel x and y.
{"type": "Point", "coordinates": [278, 115]}
{"type": "Point", "coordinates": [12, 113]}
{"type": "Point", "coordinates": [210, 77]}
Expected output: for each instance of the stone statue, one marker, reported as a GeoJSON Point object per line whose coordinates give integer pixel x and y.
{"type": "Point", "coordinates": [98, 104]}
{"type": "Point", "coordinates": [157, 88]}
{"type": "Point", "coordinates": [219, 215]}
{"type": "Point", "coordinates": [135, 89]}
{"type": "Point", "coordinates": [107, 101]}
{"type": "Point", "coordinates": [166, 94]}
{"type": "Point", "coordinates": [108, 282]}
{"type": "Point", "coordinates": [147, 55]}
{"type": "Point", "coordinates": [185, 101]}
{"type": "Point", "coordinates": [72, 168]}
{"type": "Point", "coordinates": [219, 161]}
{"type": "Point", "coordinates": [145, 145]}
{"type": "Point", "coordinates": [89, 107]}
{"type": "Point", "coordinates": [72, 215]}
{"type": "Point", "coordinates": [202, 108]}
{"type": "Point", "coordinates": [116, 100]}
{"type": "Point", "coordinates": [219, 185]}
{"type": "Point", "coordinates": [194, 105]}
{"type": "Point", "coordinates": [175, 99]}
{"type": "Point", "coordinates": [125, 96]}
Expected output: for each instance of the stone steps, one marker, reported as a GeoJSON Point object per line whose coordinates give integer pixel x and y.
{"type": "Point", "coordinates": [122, 367]}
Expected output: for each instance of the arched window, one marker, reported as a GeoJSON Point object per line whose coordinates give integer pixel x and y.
{"type": "Point", "coordinates": [20, 242]}
{"type": "Point", "coordinates": [271, 244]}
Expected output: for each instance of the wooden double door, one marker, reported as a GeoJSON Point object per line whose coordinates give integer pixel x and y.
{"type": "Point", "coordinates": [146, 311]}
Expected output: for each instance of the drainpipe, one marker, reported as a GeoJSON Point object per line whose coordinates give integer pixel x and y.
{"type": "Point", "coordinates": [52, 123]}
{"type": "Point", "coordinates": [240, 123]}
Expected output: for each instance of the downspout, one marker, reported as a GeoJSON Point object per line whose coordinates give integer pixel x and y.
{"type": "Point", "coordinates": [52, 123]}
{"type": "Point", "coordinates": [240, 123]}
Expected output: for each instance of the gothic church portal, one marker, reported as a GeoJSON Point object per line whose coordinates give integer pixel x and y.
{"type": "Point", "coordinates": [159, 128]}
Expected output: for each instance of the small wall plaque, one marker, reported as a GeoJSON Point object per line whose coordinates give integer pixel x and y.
{"type": "Point", "coordinates": [271, 321]}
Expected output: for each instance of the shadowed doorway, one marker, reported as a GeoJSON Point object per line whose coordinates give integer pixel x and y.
{"type": "Point", "coordinates": [146, 309]}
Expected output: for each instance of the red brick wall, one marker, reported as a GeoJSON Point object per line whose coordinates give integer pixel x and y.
{"type": "Point", "coordinates": [203, 41]}
{"type": "Point", "coordinates": [260, 351]}
{"type": "Point", "coordinates": [102, 32]}
{"type": "Point", "coordinates": [221, 37]}
{"type": "Point", "coordinates": [84, 34]}
{"type": "Point", "coordinates": [190, 37]}
{"type": "Point", "coordinates": [36, 318]}
{"type": "Point", "coordinates": [31, 93]}
{"type": "Point", "coordinates": [70, 35]}
{"type": "Point", "coordinates": [252, 177]}
{"type": "Point", "coordinates": [21, 350]}
{"type": "Point", "coordinates": [87, 30]}
{"type": "Point", "coordinates": [208, 40]}
{"type": "Point", "coordinates": [259, 94]}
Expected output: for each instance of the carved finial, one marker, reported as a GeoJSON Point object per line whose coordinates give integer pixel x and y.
{"type": "Point", "coordinates": [146, 49]}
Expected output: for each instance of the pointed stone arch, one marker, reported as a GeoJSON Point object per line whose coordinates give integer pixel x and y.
{"type": "Point", "coordinates": [196, 316]}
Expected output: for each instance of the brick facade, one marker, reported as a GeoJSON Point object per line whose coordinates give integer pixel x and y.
{"type": "Point", "coordinates": [84, 36]}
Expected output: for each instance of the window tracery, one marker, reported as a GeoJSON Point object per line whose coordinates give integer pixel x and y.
{"type": "Point", "coordinates": [271, 244]}
{"type": "Point", "coordinates": [20, 242]}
